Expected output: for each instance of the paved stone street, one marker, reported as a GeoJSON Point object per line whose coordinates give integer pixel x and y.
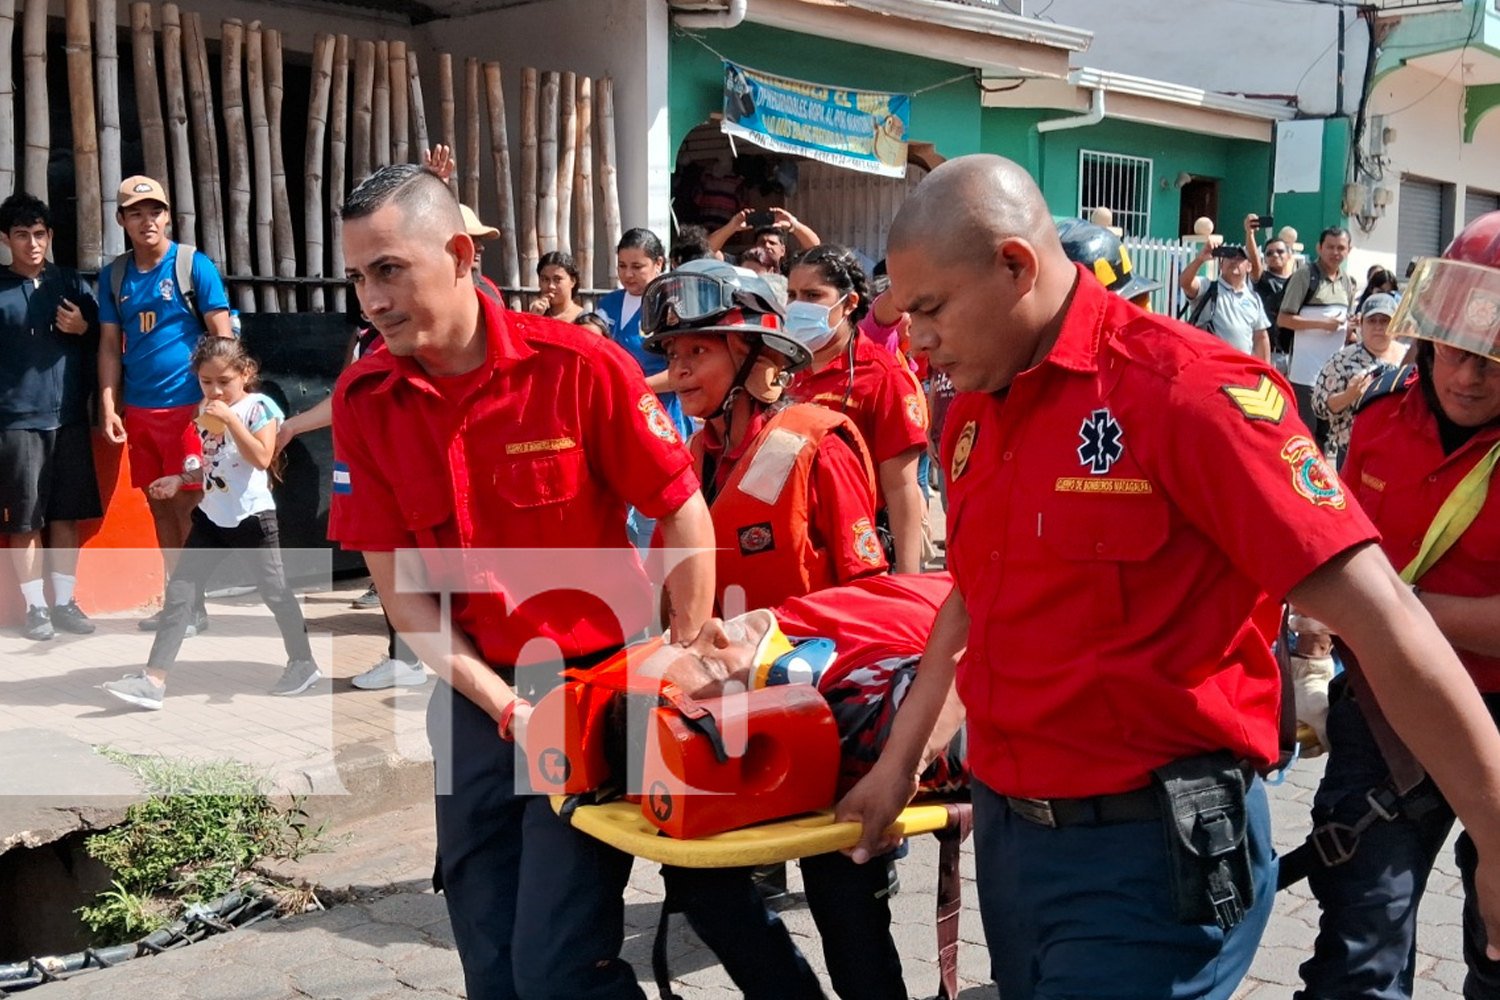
{"type": "Point", "coordinates": [394, 942]}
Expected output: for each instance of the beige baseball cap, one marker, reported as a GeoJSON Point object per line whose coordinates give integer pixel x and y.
{"type": "Point", "coordinates": [474, 227]}
{"type": "Point", "coordinates": [141, 188]}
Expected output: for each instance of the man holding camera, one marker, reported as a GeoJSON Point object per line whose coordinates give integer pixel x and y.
{"type": "Point", "coordinates": [1229, 308]}
{"type": "Point", "coordinates": [772, 227]}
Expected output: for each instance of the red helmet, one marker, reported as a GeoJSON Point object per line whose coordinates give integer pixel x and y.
{"type": "Point", "coordinates": [1455, 298]}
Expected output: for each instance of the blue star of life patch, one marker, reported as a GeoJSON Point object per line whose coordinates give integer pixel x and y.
{"type": "Point", "coordinates": [341, 482]}
{"type": "Point", "coordinates": [1102, 437]}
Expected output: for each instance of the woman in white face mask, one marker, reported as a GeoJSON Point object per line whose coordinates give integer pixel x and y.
{"type": "Point", "coordinates": [791, 487]}
{"type": "Point", "coordinates": [827, 296]}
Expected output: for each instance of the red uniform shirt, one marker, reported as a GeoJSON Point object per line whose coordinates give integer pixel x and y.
{"type": "Point", "coordinates": [1397, 470]}
{"type": "Point", "coordinates": [881, 396]}
{"type": "Point", "coordinates": [1115, 522]}
{"type": "Point", "coordinates": [541, 451]}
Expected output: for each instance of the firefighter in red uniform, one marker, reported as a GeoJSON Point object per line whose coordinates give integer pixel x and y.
{"type": "Point", "coordinates": [853, 375]}
{"type": "Point", "coordinates": [790, 485]}
{"type": "Point", "coordinates": [1421, 454]}
{"type": "Point", "coordinates": [1129, 503]}
{"type": "Point", "coordinates": [513, 501]}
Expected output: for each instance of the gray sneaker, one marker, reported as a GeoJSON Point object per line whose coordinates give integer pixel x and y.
{"type": "Point", "coordinates": [138, 690]}
{"type": "Point", "coordinates": [298, 677]}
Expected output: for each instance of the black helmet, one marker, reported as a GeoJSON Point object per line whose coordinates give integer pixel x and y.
{"type": "Point", "coordinates": [1104, 253]}
{"type": "Point", "coordinates": [710, 296]}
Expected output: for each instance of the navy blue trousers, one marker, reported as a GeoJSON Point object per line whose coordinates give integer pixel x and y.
{"type": "Point", "coordinates": [1085, 912]}
{"type": "Point", "coordinates": [849, 903]}
{"type": "Point", "coordinates": [1366, 944]}
{"type": "Point", "coordinates": [537, 908]}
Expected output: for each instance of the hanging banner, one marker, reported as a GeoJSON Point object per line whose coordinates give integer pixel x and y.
{"type": "Point", "coordinates": [858, 129]}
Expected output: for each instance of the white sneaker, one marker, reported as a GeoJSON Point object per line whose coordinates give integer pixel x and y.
{"type": "Point", "coordinates": [391, 673]}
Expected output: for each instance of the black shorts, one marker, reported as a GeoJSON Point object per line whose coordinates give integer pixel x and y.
{"type": "Point", "coordinates": [47, 476]}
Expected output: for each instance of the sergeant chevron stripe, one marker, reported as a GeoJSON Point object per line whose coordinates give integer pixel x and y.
{"type": "Point", "coordinates": [1262, 402]}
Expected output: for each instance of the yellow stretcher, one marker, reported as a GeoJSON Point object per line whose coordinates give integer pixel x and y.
{"type": "Point", "coordinates": [621, 825]}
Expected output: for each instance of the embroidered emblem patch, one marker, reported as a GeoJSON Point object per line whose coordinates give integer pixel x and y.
{"type": "Point", "coordinates": [657, 420]}
{"type": "Point", "coordinates": [756, 538]}
{"type": "Point", "coordinates": [1081, 484]}
{"type": "Point", "coordinates": [1311, 476]}
{"type": "Point", "coordinates": [164, 289]}
{"type": "Point", "coordinates": [1102, 442]}
{"type": "Point", "coordinates": [1263, 401]}
{"type": "Point", "coordinates": [531, 447]}
{"type": "Point", "coordinates": [866, 543]}
{"type": "Point", "coordinates": [963, 449]}
{"type": "Point", "coordinates": [341, 482]}
{"type": "Point", "coordinates": [915, 411]}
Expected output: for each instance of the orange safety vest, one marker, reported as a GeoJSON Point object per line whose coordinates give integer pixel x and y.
{"type": "Point", "coordinates": [761, 519]}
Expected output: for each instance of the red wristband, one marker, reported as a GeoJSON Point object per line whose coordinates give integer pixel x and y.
{"type": "Point", "coordinates": [507, 718]}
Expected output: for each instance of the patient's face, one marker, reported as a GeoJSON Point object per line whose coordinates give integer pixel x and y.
{"type": "Point", "coordinates": [721, 652]}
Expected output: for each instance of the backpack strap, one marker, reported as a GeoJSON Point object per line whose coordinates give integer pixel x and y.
{"type": "Point", "coordinates": [1203, 304]}
{"type": "Point", "coordinates": [185, 254]}
{"type": "Point", "coordinates": [116, 269]}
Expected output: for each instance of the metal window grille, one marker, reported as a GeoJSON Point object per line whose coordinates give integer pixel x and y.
{"type": "Point", "coordinates": [1119, 183]}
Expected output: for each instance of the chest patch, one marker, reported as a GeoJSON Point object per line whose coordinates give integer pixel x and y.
{"type": "Point", "coordinates": [756, 538]}
{"type": "Point", "coordinates": [1103, 442]}
{"type": "Point", "coordinates": [1262, 401]}
{"type": "Point", "coordinates": [962, 449]}
{"type": "Point", "coordinates": [165, 289]}
{"type": "Point", "coordinates": [1313, 480]}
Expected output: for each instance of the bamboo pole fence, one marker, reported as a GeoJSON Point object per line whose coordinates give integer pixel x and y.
{"type": "Point", "coordinates": [312, 163]}
{"type": "Point", "coordinates": [233, 36]}
{"type": "Point", "coordinates": [80, 52]}
{"type": "Point", "coordinates": [337, 150]}
{"type": "Point", "coordinates": [205, 140]}
{"type": "Point", "coordinates": [184, 204]}
{"type": "Point", "coordinates": [240, 212]}
{"type": "Point", "coordinates": [38, 124]}
{"type": "Point", "coordinates": [107, 72]}
{"type": "Point", "coordinates": [147, 93]}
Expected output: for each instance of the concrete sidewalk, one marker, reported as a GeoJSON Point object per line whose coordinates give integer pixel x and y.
{"type": "Point", "coordinates": [393, 941]}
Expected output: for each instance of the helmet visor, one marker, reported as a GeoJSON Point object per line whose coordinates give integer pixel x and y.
{"type": "Point", "coordinates": [681, 298]}
{"type": "Point", "coordinates": [1452, 302]}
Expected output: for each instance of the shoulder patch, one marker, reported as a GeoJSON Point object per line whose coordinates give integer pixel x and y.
{"type": "Point", "coordinates": [341, 483]}
{"type": "Point", "coordinates": [916, 412]}
{"type": "Point", "coordinates": [1313, 480]}
{"type": "Point", "coordinates": [1262, 401]}
{"type": "Point", "coordinates": [657, 420]}
{"type": "Point", "coordinates": [866, 543]}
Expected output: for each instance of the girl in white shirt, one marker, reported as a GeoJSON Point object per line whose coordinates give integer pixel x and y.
{"type": "Point", "coordinates": [237, 428]}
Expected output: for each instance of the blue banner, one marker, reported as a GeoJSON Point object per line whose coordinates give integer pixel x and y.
{"type": "Point", "coordinates": [858, 129]}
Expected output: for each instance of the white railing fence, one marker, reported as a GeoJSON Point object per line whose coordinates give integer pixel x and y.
{"type": "Point", "coordinates": [1163, 261]}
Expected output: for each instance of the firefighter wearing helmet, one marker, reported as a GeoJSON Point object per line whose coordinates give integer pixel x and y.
{"type": "Point", "coordinates": [1421, 459]}
{"type": "Point", "coordinates": [1103, 253]}
{"type": "Point", "coordinates": [791, 486]}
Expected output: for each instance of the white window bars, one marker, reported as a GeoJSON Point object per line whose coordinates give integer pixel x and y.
{"type": "Point", "coordinates": [1119, 183]}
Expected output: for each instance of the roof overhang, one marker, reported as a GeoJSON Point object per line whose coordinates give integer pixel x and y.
{"type": "Point", "coordinates": [1153, 102]}
{"type": "Point", "coordinates": [991, 41]}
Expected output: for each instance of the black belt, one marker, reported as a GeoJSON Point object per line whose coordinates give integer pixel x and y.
{"type": "Point", "coordinates": [1137, 806]}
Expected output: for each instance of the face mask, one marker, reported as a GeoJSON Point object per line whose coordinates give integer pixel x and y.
{"type": "Point", "coordinates": [808, 323]}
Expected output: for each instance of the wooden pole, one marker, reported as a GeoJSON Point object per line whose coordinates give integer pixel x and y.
{"type": "Point", "coordinates": [583, 183]}
{"type": "Point", "coordinates": [281, 202]}
{"type": "Point", "coordinates": [312, 164]}
{"type": "Point", "coordinates": [546, 181]}
{"type": "Point", "coordinates": [38, 123]}
{"type": "Point", "coordinates": [529, 254]}
{"type": "Point", "coordinates": [260, 135]}
{"type": "Point", "coordinates": [471, 137]}
{"type": "Point", "coordinates": [7, 96]}
{"type": "Point", "coordinates": [184, 208]}
{"type": "Point", "coordinates": [609, 184]}
{"type": "Point", "coordinates": [205, 140]}
{"type": "Point", "coordinates": [85, 134]}
{"type": "Point", "coordinates": [380, 131]}
{"type": "Point", "coordinates": [400, 106]}
{"type": "Point", "coordinates": [337, 150]}
{"type": "Point", "coordinates": [418, 107]}
{"type": "Point", "coordinates": [233, 38]}
{"type": "Point", "coordinates": [107, 70]}
{"type": "Point", "coordinates": [364, 86]}
{"type": "Point", "coordinates": [510, 267]}
{"type": "Point", "coordinates": [567, 140]}
{"type": "Point", "coordinates": [147, 93]}
{"type": "Point", "coordinates": [449, 110]}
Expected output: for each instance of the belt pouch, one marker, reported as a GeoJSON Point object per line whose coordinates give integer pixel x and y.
{"type": "Point", "coordinates": [1205, 817]}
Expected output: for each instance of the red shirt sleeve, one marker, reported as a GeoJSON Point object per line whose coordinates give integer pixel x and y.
{"type": "Point", "coordinates": [842, 508]}
{"type": "Point", "coordinates": [363, 511]}
{"type": "Point", "coordinates": [1247, 474]}
{"type": "Point", "coordinates": [900, 415]}
{"type": "Point", "coordinates": [636, 451]}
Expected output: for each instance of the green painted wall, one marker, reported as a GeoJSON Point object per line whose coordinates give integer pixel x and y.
{"type": "Point", "coordinates": [947, 117]}
{"type": "Point", "coordinates": [1241, 166]}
